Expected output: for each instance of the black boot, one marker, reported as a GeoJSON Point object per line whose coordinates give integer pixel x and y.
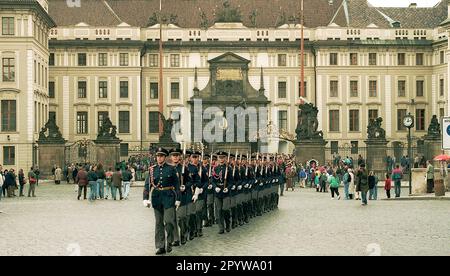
{"type": "Point", "coordinates": [161, 251]}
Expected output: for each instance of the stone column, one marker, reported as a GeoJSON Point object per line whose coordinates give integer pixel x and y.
{"type": "Point", "coordinates": [107, 153]}
{"type": "Point", "coordinates": [50, 155]}
{"type": "Point", "coordinates": [376, 155]}
{"type": "Point", "coordinates": [310, 149]}
{"type": "Point", "coordinates": [432, 147]}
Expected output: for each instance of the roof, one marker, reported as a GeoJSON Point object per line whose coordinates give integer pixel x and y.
{"type": "Point", "coordinates": [187, 13]}
{"type": "Point", "coordinates": [362, 14]}
{"type": "Point", "coordinates": [29, 4]}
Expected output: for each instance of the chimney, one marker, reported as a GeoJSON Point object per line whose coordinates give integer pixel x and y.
{"type": "Point", "coordinates": [413, 5]}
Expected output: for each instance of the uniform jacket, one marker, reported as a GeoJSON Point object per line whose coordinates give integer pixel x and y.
{"type": "Point", "coordinates": [162, 186]}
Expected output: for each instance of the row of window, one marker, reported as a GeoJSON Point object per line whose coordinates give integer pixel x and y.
{"type": "Point", "coordinates": [8, 70]}
{"type": "Point", "coordinates": [82, 126]}
{"type": "Point", "coordinates": [401, 59]}
{"type": "Point", "coordinates": [354, 89]}
{"type": "Point", "coordinates": [124, 91]}
{"type": "Point", "coordinates": [354, 119]}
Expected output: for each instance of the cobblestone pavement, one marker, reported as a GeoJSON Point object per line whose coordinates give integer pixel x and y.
{"type": "Point", "coordinates": [307, 223]}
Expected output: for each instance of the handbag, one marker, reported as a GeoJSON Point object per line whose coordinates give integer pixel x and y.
{"type": "Point", "coordinates": [32, 180]}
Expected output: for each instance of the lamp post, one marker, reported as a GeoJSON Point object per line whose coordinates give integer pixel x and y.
{"type": "Point", "coordinates": [408, 122]}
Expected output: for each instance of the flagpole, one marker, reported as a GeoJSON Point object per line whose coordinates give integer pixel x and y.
{"type": "Point", "coordinates": [160, 88]}
{"type": "Point", "coordinates": [302, 55]}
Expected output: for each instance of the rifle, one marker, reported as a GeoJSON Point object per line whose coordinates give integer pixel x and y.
{"type": "Point", "coordinates": [234, 166]}
{"type": "Point", "coordinates": [182, 164]}
{"type": "Point", "coordinates": [226, 170]}
{"type": "Point", "coordinates": [256, 163]}
{"type": "Point", "coordinates": [210, 167]}
{"type": "Point", "coordinates": [246, 168]}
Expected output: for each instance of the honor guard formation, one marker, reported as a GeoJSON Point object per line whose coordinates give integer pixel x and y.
{"type": "Point", "coordinates": [189, 190]}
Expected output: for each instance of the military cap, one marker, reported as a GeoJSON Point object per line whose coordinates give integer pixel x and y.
{"type": "Point", "coordinates": [244, 156]}
{"type": "Point", "coordinates": [189, 152]}
{"type": "Point", "coordinates": [232, 155]}
{"type": "Point", "coordinates": [221, 153]}
{"type": "Point", "coordinates": [175, 151]}
{"type": "Point", "coordinates": [162, 151]}
{"type": "Point", "coordinates": [207, 156]}
{"type": "Point", "coordinates": [196, 152]}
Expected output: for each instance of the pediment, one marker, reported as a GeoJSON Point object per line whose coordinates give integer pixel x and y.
{"type": "Point", "coordinates": [229, 58]}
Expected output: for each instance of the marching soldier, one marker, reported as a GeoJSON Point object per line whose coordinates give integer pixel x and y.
{"type": "Point", "coordinates": [234, 192]}
{"type": "Point", "coordinates": [195, 189]}
{"type": "Point", "coordinates": [210, 220]}
{"type": "Point", "coordinates": [184, 195]}
{"type": "Point", "coordinates": [222, 180]}
{"type": "Point", "coordinates": [161, 187]}
{"type": "Point", "coordinates": [199, 197]}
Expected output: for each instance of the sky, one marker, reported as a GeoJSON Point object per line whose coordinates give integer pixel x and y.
{"type": "Point", "coordinates": [403, 3]}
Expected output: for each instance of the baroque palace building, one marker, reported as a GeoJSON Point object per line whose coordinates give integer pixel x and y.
{"type": "Point", "coordinates": [87, 59]}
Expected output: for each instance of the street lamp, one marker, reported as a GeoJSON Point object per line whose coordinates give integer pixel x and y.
{"type": "Point", "coordinates": [408, 122]}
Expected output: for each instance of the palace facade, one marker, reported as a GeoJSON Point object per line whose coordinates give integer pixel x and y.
{"type": "Point", "coordinates": [81, 60]}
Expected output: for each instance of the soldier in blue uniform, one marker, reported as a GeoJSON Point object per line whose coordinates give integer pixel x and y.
{"type": "Point", "coordinates": [160, 192]}
{"type": "Point", "coordinates": [233, 191]}
{"type": "Point", "coordinates": [184, 195]}
{"type": "Point", "coordinates": [210, 194]}
{"type": "Point", "coordinates": [199, 197]}
{"type": "Point", "coordinates": [222, 181]}
{"type": "Point", "coordinates": [240, 190]}
{"type": "Point", "coordinates": [193, 188]}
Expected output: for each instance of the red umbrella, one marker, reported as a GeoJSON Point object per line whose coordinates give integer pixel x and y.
{"type": "Point", "coordinates": [442, 157]}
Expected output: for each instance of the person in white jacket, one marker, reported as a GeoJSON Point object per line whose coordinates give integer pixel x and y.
{"type": "Point", "coordinates": [351, 187]}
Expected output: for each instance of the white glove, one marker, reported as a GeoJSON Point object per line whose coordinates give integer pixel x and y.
{"type": "Point", "coordinates": [182, 188]}
{"type": "Point", "coordinates": [225, 190]}
{"type": "Point", "coordinates": [201, 190]}
{"type": "Point", "coordinates": [233, 188]}
{"type": "Point", "coordinates": [195, 198]}
{"type": "Point", "coordinates": [246, 186]}
{"type": "Point", "coordinates": [262, 184]}
{"type": "Point", "coordinates": [217, 190]}
{"type": "Point", "coordinates": [273, 181]}
{"type": "Point", "coordinates": [250, 186]}
{"type": "Point", "coordinates": [239, 187]}
{"type": "Point", "coordinates": [256, 181]}
{"type": "Point", "coordinates": [210, 187]}
{"type": "Point", "coordinates": [197, 192]}
{"type": "Point", "coordinates": [177, 204]}
{"type": "Point", "coordinates": [147, 203]}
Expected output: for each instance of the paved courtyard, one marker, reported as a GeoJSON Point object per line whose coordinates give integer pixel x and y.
{"type": "Point", "coordinates": [307, 223]}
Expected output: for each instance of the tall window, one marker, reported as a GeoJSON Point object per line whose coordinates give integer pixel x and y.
{"type": "Point", "coordinates": [401, 59]}
{"type": "Point", "coordinates": [101, 116]}
{"type": "Point", "coordinates": [103, 89]}
{"type": "Point", "coordinates": [354, 120]}
{"type": "Point", "coordinates": [282, 60]}
{"type": "Point", "coordinates": [51, 59]}
{"type": "Point", "coordinates": [124, 89]}
{"type": "Point", "coordinates": [300, 89]}
{"type": "Point", "coordinates": [419, 59]}
{"type": "Point", "coordinates": [103, 59]}
{"type": "Point", "coordinates": [354, 89]}
{"type": "Point", "coordinates": [9, 156]}
{"type": "Point", "coordinates": [123, 59]}
{"type": "Point", "coordinates": [441, 87]}
{"type": "Point", "coordinates": [334, 120]}
{"type": "Point", "coordinates": [282, 90]}
{"type": "Point", "coordinates": [419, 88]}
{"type": "Point", "coordinates": [51, 90]}
{"type": "Point", "coordinates": [333, 59]}
{"type": "Point", "coordinates": [82, 122]}
{"type": "Point", "coordinates": [442, 57]}
{"type": "Point", "coordinates": [175, 60]}
{"type": "Point", "coordinates": [282, 120]}
{"type": "Point", "coordinates": [153, 60]}
{"type": "Point", "coordinates": [373, 114]}
{"type": "Point", "coordinates": [353, 59]}
{"type": "Point", "coordinates": [7, 25]}
{"type": "Point", "coordinates": [334, 88]}
{"type": "Point", "coordinates": [373, 88]}
{"type": "Point", "coordinates": [154, 87]}
{"type": "Point", "coordinates": [420, 119]}
{"type": "Point", "coordinates": [81, 59]}
{"type": "Point", "coordinates": [8, 115]}
{"type": "Point", "coordinates": [8, 70]}
{"type": "Point", "coordinates": [124, 148]}
{"type": "Point", "coordinates": [82, 91]}
{"type": "Point", "coordinates": [175, 90]}
{"type": "Point", "coordinates": [153, 122]}
{"type": "Point", "coordinates": [372, 59]}
{"type": "Point", "coordinates": [401, 114]}
{"type": "Point", "coordinates": [401, 88]}
{"type": "Point", "coordinates": [124, 122]}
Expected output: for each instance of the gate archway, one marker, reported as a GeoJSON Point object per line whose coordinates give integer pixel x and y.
{"type": "Point", "coordinates": [80, 152]}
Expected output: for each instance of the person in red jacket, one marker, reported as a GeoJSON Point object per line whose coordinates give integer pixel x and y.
{"type": "Point", "coordinates": [388, 185]}
{"type": "Point", "coordinates": [82, 181]}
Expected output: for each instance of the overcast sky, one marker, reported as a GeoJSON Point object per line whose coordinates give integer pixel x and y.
{"type": "Point", "coordinates": [403, 3]}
